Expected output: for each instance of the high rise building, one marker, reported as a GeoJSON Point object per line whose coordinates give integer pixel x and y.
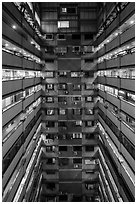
{"type": "Point", "coordinates": [68, 101]}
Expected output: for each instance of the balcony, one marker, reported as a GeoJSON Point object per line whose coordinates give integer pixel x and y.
{"type": "Point", "coordinates": [128, 60]}
{"type": "Point", "coordinates": [11, 86]}
{"type": "Point", "coordinates": [50, 175]}
{"type": "Point", "coordinates": [128, 35]}
{"type": "Point", "coordinates": [49, 188]}
{"type": "Point", "coordinates": [11, 113]}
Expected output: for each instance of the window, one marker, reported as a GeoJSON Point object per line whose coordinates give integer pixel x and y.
{"type": "Point", "coordinates": [51, 161]}
{"type": "Point", "coordinates": [89, 136]}
{"type": "Point", "coordinates": [77, 161]}
{"type": "Point", "coordinates": [76, 36]}
{"type": "Point", "coordinates": [128, 120]}
{"type": "Point", "coordinates": [76, 49]}
{"type": "Point", "coordinates": [49, 60]}
{"type": "Point", "coordinates": [78, 122]}
{"type": "Point", "coordinates": [63, 161]}
{"type": "Point", "coordinates": [62, 99]}
{"type": "Point", "coordinates": [89, 186]}
{"type": "Point", "coordinates": [63, 148]}
{"type": "Point", "coordinates": [76, 98]}
{"type": "Point", "coordinates": [89, 161]}
{"type": "Point", "coordinates": [62, 74]}
{"type": "Point", "coordinates": [76, 87]}
{"type": "Point", "coordinates": [88, 74]}
{"type": "Point", "coordinates": [64, 10]}
{"type": "Point", "coordinates": [50, 86]}
{"type": "Point", "coordinates": [11, 100]}
{"type": "Point", "coordinates": [77, 148]}
{"type": "Point", "coordinates": [48, 74]}
{"type": "Point", "coordinates": [49, 36]}
{"type": "Point", "coordinates": [62, 111]}
{"type": "Point", "coordinates": [88, 36]}
{"type": "Point", "coordinates": [50, 112]}
{"type": "Point", "coordinates": [62, 124]}
{"type": "Point", "coordinates": [61, 37]}
{"type": "Point", "coordinates": [68, 10]}
{"type": "Point", "coordinates": [12, 152]}
{"type": "Point", "coordinates": [127, 144]}
{"type": "Point", "coordinates": [88, 111]}
{"type": "Point", "coordinates": [77, 135]}
{"type": "Point", "coordinates": [49, 172]}
{"type": "Point", "coordinates": [50, 136]}
{"type": "Point", "coordinates": [89, 99]}
{"type": "Point", "coordinates": [71, 10]}
{"type": "Point", "coordinates": [63, 198]}
{"type": "Point", "coordinates": [76, 74]}
{"type": "Point", "coordinates": [62, 86]}
{"type": "Point", "coordinates": [89, 148]}
{"type": "Point", "coordinates": [77, 111]}
{"type": "Point", "coordinates": [89, 123]}
{"type": "Point", "coordinates": [89, 60]}
{"type": "Point", "coordinates": [29, 91]}
{"type": "Point", "coordinates": [63, 24]}
{"type": "Point", "coordinates": [49, 99]}
{"type": "Point", "coordinates": [50, 148]}
{"type": "Point", "coordinates": [50, 124]}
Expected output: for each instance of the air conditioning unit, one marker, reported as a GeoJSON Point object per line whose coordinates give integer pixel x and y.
{"type": "Point", "coordinates": [75, 153]}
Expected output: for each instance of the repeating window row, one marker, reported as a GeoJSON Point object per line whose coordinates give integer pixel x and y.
{"type": "Point", "coordinates": [74, 111]}
{"type": "Point", "coordinates": [121, 51]}
{"type": "Point", "coordinates": [65, 148]}
{"type": "Point", "coordinates": [121, 137]}
{"type": "Point", "coordinates": [8, 158]}
{"type": "Point", "coordinates": [124, 27]}
{"type": "Point", "coordinates": [123, 94]}
{"type": "Point", "coordinates": [13, 74]}
{"type": "Point", "coordinates": [15, 98]}
{"type": "Point", "coordinates": [66, 161]}
{"type": "Point", "coordinates": [73, 74]}
{"type": "Point", "coordinates": [65, 86]}
{"type": "Point", "coordinates": [127, 119]}
{"type": "Point", "coordinates": [9, 128]}
{"type": "Point", "coordinates": [63, 99]}
{"type": "Point", "coordinates": [18, 51]}
{"type": "Point", "coordinates": [68, 136]}
{"type": "Point", "coordinates": [122, 73]}
{"type": "Point", "coordinates": [66, 124]}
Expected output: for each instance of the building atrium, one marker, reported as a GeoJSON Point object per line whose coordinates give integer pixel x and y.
{"type": "Point", "coordinates": [68, 101]}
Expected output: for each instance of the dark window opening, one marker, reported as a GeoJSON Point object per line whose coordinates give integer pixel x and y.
{"type": "Point", "coordinates": [77, 148]}
{"type": "Point", "coordinates": [89, 148]}
{"type": "Point", "coordinates": [71, 10]}
{"type": "Point", "coordinates": [49, 60]}
{"type": "Point", "coordinates": [63, 148]}
{"type": "Point", "coordinates": [76, 36]}
{"type": "Point", "coordinates": [49, 37]}
{"type": "Point", "coordinates": [63, 198]}
{"type": "Point", "coordinates": [89, 74]}
{"type": "Point", "coordinates": [63, 161]}
{"type": "Point", "coordinates": [50, 172]}
{"type": "Point", "coordinates": [77, 161]}
{"type": "Point", "coordinates": [89, 60]}
{"type": "Point", "coordinates": [50, 124]}
{"type": "Point", "coordinates": [61, 37]}
{"type": "Point", "coordinates": [89, 136]}
{"type": "Point", "coordinates": [88, 36]}
{"type": "Point", "coordinates": [50, 186]}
